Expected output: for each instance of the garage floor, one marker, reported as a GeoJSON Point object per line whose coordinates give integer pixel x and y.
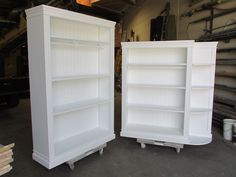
{"type": "Point", "coordinates": [122, 158]}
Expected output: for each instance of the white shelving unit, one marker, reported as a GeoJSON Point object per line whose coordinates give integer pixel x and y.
{"type": "Point", "coordinates": [71, 81]}
{"type": "Point", "coordinates": [167, 92]}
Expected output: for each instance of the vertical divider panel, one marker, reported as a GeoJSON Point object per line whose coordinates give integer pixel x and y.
{"type": "Point", "coordinates": [48, 74]}
{"type": "Point", "coordinates": [111, 79]}
{"type": "Point", "coordinates": [213, 51]}
{"type": "Point", "coordinates": [188, 91]}
{"type": "Point", "coordinates": [124, 86]}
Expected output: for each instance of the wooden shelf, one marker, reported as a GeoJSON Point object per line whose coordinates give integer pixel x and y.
{"type": "Point", "coordinates": [153, 130]}
{"type": "Point", "coordinates": [80, 141]}
{"type": "Point", "coordinates": [156, 86]}
{"type": "Point", "coordinates": [91, 76]}
{"type": "Point", "coordinates": [196, 110]}
{"type": "Point", "coordinates": [156, 107]}
{"type": "Point", "coordinates": [202, 87]}
{"type": "Point", "coordinates": [203, 64]}
{"type": "Point", "coordinates": [62, 40]}
{"type": "Point", "coordinates": [156, 65]}
{"type": "Point", "coordinates": [63, 109]}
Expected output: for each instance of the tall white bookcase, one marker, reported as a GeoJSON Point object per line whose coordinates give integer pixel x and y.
{"type": "Point", "coordinates": [71, 84]}
{"type": "Point", "coordinates": [167, 92]}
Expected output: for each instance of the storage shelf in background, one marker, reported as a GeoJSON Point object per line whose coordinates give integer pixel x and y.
{"type": "Point", "coordinates": [154, 130]}
{"type": "Point", "coordinates": [91, 76]}
{"type": "Point", "coordinates": [70, 41]}
{"type": "Point", "coordinates": [62, 109]}
{"type": "Point", "coordinates": [156, 86]}
{"type": "Point", "coordinates": [80, 141]}
{"type": "Point", "coordinates": [155, 65]}
{"type": "Point", "coordinates": [156, 107]}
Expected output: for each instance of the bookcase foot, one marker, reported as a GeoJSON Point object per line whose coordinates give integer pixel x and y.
{"type": "Point", "coordinates": [71, 163]}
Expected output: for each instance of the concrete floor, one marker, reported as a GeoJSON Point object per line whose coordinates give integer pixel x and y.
{"type": "Point", "coordinates": [122, 158]}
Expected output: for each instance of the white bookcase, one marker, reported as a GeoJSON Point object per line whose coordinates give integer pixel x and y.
{"type": "Point", "coordinates": [167, 92]}
{"type": "Point", "coordinates": [71, 82]}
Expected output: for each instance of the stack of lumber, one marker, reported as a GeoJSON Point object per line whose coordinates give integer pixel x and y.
{"type": "Point", "coordinates": [6, 154]}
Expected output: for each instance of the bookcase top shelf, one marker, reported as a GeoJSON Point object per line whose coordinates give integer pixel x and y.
{"type": "Point", "coordinates": [76, 42]}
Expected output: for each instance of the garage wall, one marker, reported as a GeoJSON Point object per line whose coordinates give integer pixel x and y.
{"type": "Point", "coordinates": [138, 18]}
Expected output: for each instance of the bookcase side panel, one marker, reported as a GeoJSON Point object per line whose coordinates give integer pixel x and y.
{"type": "Point", "coordinates": [38, 91]}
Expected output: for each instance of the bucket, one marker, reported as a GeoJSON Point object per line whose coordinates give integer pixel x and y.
{"type": "Point", "coordinates": [228, 129]}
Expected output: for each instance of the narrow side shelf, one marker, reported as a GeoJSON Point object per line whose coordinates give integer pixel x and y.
{"type": "Point", "coordinates": [62, 40]}
{"type": "Point", "coordinates": [196, 110]}
{"type": "Point", "coordinates": [156, 107]}
{"type": "Point", "coordinates": [203, 64]}
{"type": "Point", "coordinates": [62, 109]}
{"type": "Point", "coordinates": [159, 65]}
{"type": "Point", "coordinates": [155, 86]}
{"type": "Point", "coordinates": [90, 76]}
{"type": "Point", "coordinates": [202, 87]}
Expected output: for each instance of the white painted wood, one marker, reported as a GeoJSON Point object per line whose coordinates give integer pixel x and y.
{"type": "Point", "coordinates": [168, 91]}
{"type": "Point", "coordinates": [71, 62]}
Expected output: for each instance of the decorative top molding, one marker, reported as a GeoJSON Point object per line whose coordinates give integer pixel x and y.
{"type": "Point", "coordinates": [166, 44]}
{"type": "Point", "coordinates": [66, 14]}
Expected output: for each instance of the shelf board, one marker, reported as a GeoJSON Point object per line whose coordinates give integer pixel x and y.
{"type": "Point", "coordinates": [156, 86]}
{"type": "Point", "coordinates": [81, 141]}
{"type": "Point", "coordinates": [160, 65]}
{"type": "Point", "coordinates": [196, 110]}
{"type": "Point", "coordinates": [202, 87]}
{"type": "Point", "coordinates": [71, 41]}
{"type": "Point", "coordinates": [156, 108]}
{"type": "Point", "coordinates": [91, 76]}
{"type": "Point", "coordinates": [154, 130]}
{"type": "Point", "coordinates": [203, 64]}
{"type": "Point", "coordinates": [62, 109]}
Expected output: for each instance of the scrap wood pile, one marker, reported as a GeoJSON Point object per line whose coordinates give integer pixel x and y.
{"type": "Point", "coordinates": [6, 158]}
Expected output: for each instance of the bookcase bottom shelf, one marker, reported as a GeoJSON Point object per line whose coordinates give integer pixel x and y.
{"type": "Point", "coordinates": [141, 131]}
{"type": "Point", "coordinates": [81, 141]}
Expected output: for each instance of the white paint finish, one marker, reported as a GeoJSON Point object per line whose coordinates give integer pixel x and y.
{"type": "Point", "coordinates": [160, 97]}
{"type": "Point", "coordinates": [71, 91]}
{"type": "Point", "coordinates": [67, 15]}
{"type": "Point", "coordinates": [200, 98]}
{"type": "Point", "coordinates": [168, 96]}
{"type": "Point", "coordinates": [199, 124]}
{"type": "Point", "coordinates": [203, 75]}
{"type": "Point", "coordinates": [154, 75]}
{"type": "Point", "coordinates": [74, 123]}
{"type": "Point", "coordinates": [158, 56]}
{"type": "Point", "coordinates": [155, 118]}
{"type": "Point", "coordinates": [71, 77]}
{"type": "Point", "coordinates": [38, 85]}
